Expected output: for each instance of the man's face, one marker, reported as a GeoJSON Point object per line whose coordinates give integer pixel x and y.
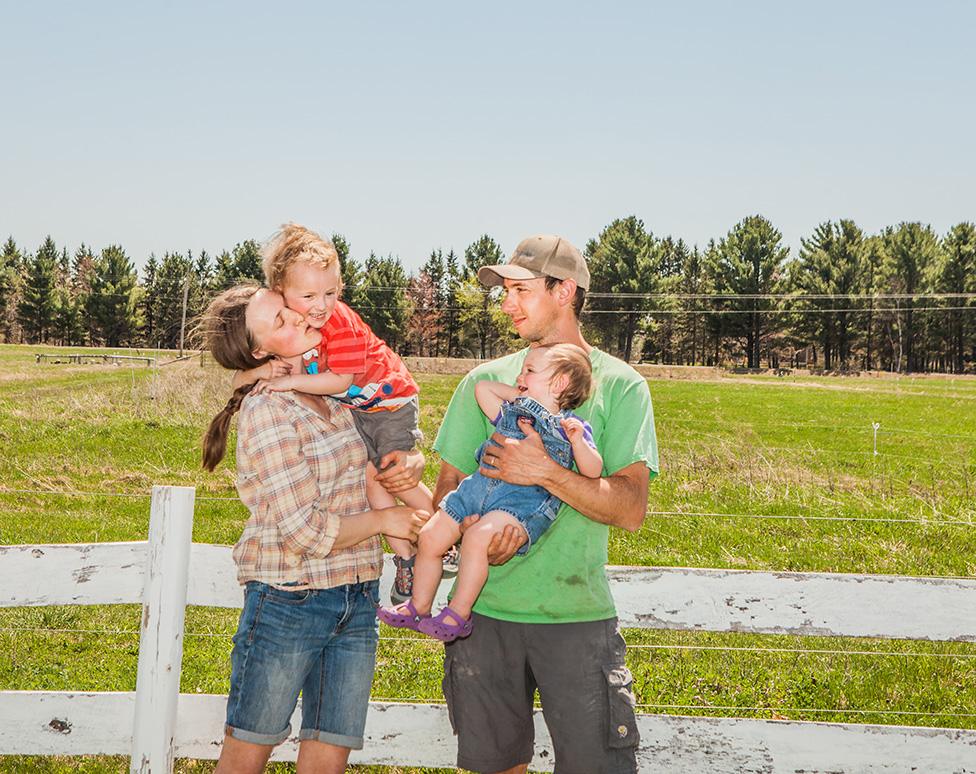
{"type": "Point", "coordinates": [533, 309]}
{"type": "Point", "coordinates": [276, 329]}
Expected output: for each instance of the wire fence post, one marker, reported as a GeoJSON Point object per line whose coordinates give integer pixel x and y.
{"type": "Point", "coordinates": [161, 629]}
{"type": "Point", "coordinates": [875, 425]}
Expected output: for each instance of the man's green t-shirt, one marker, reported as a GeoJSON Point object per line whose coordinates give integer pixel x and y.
{"type": "Point", "coordinates": [561, 579]}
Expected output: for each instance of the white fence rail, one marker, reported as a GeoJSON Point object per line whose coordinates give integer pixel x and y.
{"type": "Point", "coordinates": [167, 573]}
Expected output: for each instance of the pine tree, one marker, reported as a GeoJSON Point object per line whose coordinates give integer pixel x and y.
{"type": "Point", "coordinates": [749, 262]}
{"type": "Point", "coordinates": [452, 281]}
{"type": "Point", "coordinates": [384, 304]}
{"type": "Point", "coordinates": [911, 249]}
{"type": "Point", "coordinates": [624, 259]}
{"type": "Point", "coordinates": [114, 300]}
{"type": "Point", "coordinates": [691, 330]}
{"type": "Point", "coordinates": [830, 263]}
{"type": "Point", "coordinates": [150, 301]}
{"type": "Point", "coordinates": [10, 264]}
{"type": "Point", "coordinates": [352, 275]}
{"type": "Point", "coordinates": [35, 309]}
{"type": "Point", "coordinates": [171, 278]}
{"type": "Point", "coordinates": [956, 273]}
{"type": "Point", "coordinates": [482, 326]}
{"type": "Point", "coordinates": [663, 332]}
{"type": "Point", "coordinates": [239, 265]}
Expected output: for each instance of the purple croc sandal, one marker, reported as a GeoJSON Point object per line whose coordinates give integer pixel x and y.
{"type": "Point", "coordinates": [395, 616]}
{"type": "Point", "coordinates": [447, 626]}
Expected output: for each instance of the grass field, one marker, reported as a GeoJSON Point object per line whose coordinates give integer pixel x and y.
{"type": "Point", "coordinates": [757, 473]}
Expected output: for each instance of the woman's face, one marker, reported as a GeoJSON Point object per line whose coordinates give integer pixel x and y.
{"type": "Point", "coordinates": [276, 329]}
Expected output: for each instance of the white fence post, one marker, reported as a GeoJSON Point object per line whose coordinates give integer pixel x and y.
{"type": "Point", "coordinates": [161, 630]}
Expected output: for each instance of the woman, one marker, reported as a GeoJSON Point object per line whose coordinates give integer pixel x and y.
{"type": "Point", "coordinates": [309, 556]}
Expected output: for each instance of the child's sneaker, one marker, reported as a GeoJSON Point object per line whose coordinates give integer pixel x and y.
{"type": "Point", "coordinates": [403, 581]}
{"type": "Point", "coordinates": [452, 560]}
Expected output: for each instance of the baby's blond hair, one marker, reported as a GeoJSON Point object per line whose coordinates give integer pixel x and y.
{"type": "Point", "coordinates": [571, 361]}
{"type": "Point", "coordinates": [295, 244]}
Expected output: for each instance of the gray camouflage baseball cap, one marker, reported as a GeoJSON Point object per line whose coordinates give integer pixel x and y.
{"type": "Point", "coordinates": [543, 255]}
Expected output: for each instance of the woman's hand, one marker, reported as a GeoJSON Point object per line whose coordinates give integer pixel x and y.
{"type": "Point", "coordinates": [276, 368]}
{"type": "Point", "coordinates": [402, 521]}
{"type": "Point", "coordinates": [400, 470]}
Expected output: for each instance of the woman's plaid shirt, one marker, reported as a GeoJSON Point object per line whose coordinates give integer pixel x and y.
{"type": "Point", "coordinates": [299, 474]}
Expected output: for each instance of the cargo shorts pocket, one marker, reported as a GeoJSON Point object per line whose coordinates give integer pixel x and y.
{"type": "Point", "coordinates": [622, 730]}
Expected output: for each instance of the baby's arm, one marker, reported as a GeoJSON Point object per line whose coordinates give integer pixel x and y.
{"type": "Point", "coordinates": [491, 394]}
{"type": "Point", "coordinates": [588, 459]}
{"type": "Point", "coordinates": [325, 383]}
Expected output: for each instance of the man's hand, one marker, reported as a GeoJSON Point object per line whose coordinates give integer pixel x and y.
{"type": "Point", "coordinates": [502, 545]}
{"type": "Point", "coordinates": [400, 470]}
{"type": "Point", "coordinates": [524, 462]}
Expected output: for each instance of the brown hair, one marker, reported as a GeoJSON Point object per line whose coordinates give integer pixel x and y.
{"type": "Point", "coordinates": [571, 361]}
{"type": "Point", "coordinates": [295, 244]}
{"type": "Point", "coordinates": [223, 327]}
{"type": "Point", "coordinates": [578, 300]}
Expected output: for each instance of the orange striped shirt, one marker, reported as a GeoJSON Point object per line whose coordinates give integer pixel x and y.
{"type": "Point", "coordinates": [381, 381]}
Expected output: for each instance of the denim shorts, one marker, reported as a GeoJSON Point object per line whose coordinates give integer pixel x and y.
{"type": "Point", "coordinates": [321, 642]}
{"type": "Point", "coordinates": [533, 506]}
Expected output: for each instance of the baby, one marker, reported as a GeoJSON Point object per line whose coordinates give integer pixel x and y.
{"type": "Point", "coordinates": [554, 380]}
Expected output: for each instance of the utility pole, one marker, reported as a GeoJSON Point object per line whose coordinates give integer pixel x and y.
{"type": "Point", "coordinates": [186, 293]}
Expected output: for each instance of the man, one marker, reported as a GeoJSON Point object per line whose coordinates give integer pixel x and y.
{"type": "Point", "coordinates": [546, 620]}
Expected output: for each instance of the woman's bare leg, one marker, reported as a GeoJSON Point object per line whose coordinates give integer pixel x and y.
{"type": "Point", "coordinates": [321, 758]}
{"type": "Point", "coordinates": [238, 757]}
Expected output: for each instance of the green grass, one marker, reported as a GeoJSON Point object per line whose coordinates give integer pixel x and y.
{"type": "Point", "coordinates": [732, 449]}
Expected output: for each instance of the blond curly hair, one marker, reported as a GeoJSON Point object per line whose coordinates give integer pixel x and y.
{"type": "Point", "coordinates": [295, 244]}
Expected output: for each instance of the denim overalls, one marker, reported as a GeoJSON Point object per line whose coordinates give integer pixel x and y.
{"type": "Point", "coordinates": [532, 505]}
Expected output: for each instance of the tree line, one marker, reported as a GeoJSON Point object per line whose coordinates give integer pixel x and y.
{"type": "Point", "coordinates": [899, 300]}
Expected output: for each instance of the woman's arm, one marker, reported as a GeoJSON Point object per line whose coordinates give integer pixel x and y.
{"type": "Point", "coordinates": [294, 497]}
{"type": "Point", "coordinates": [399, 521]}
{"type": "Point", "coordinates": [490, 396]}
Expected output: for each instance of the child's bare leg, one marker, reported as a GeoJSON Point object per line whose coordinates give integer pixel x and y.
{"type": "Point", "coordinates": [437, 535]}
{"type": "Point", "coordinates": [379, 498]}
{"type": "Point", "coordinates": [473, 571]}
{"type": "Point", "coordinates": [420, 498]}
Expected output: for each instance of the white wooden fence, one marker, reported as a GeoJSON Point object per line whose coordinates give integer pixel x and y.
{"type": "Point", "coordinates": [156, 723]}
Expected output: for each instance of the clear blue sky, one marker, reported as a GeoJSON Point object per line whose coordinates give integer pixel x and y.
{"type": "Point", "coordinates": [410, 126]}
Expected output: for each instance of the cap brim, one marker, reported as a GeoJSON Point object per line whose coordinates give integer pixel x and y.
{"type": "Point", "coordinates": [496, 275]}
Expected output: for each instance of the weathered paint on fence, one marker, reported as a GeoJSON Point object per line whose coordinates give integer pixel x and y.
{"type": "Point", "coordinates": [161, 629]}
{"type": "Point", "coordinates": [168, 573]}
{"type": "Point", "coordinates": [420, 735]}
{"type": "Point", "coordinates": [817, 604]}
{"type": "Point", "coordinates": [659, 598]}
